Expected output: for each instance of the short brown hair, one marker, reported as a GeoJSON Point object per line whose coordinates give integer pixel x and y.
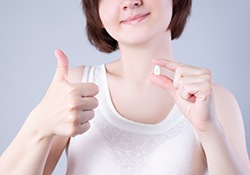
{"type": "Point", "coordinates": [100, 38]}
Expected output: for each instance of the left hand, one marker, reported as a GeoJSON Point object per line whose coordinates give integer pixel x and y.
{"type": "Point", "coordinates": [192, 89]}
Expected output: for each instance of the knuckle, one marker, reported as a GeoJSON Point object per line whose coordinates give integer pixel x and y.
{"type": "Point", "coordinates": [209, 87]}
{"type": "Point", "coordinates": [71, 90]}
{"type": "Point", "coordinates": [207, 76]}
{"type": "Point", "coordinates": [73, 120]}
{"type": "Point", "coordinates": [180, 81]}
{"type": "Point", "coordinates": [210, 78]}
{"type": "Point", "coordinates": [207, 71]}
{"type": "Point", "coordinates": [185, 88]}
{"type": "Point", "coordinates": [178, 70]}
{"type": "Point", "coordinates": [72, 102]}
{"type": "Point", "coordinates": [72, 106]}
{"type": "Point", "coordinates": [72, 131]}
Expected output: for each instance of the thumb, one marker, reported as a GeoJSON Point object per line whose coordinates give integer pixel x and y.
{"type": "Point", "coordinates": [62, 66]}
{"type": "Point", "coordinates": [165, 83]}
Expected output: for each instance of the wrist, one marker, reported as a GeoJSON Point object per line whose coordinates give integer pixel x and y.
{"type": "Point", "coordinates": [33, 125]}
{"type": "Point", "coordinates": [213, 131]}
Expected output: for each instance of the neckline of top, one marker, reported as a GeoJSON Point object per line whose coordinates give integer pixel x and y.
{"type": "Point", "coordinates": [116, 119]}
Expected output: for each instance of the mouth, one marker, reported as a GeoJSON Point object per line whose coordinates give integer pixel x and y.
{"type": "Point", "coordinates": [135, 19]}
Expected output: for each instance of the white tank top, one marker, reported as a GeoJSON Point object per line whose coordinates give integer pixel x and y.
{"type": "Point", "coordinates": [115, 145]}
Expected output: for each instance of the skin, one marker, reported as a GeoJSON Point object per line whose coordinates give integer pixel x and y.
{"type": "Point", "coordinates": [63, 112]}
{"type": "Point", "coordinates": [143, 43]}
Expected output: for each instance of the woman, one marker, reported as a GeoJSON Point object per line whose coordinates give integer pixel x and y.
{"type": "Point", "coordinates": [177, 122]}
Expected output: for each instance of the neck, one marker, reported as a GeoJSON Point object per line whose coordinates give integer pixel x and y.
{"type": "Point", "coordinates": [136, 60]}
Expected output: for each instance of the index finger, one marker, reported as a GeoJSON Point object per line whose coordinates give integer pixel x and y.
{"type": "Point", "coordinates": [87, 89]}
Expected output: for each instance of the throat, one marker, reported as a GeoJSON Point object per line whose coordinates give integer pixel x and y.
{"type": "Point", "coordinates": [149, 106]}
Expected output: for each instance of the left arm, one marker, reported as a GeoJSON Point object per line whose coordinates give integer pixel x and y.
{"type": "Point", "coordinates": [225, 144]}
{"type": "Point", "coordinates": [213, 112]}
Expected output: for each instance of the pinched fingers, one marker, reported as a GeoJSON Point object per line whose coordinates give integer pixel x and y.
{"type": "Point", "coordinates": [188, 81]}
{"type": "Point", "coordinates": [180, 68]}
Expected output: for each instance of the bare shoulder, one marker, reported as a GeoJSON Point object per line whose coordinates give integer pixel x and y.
{"type": "Point", "coordinates": [227, 109]}
{"type": "Point", "coordinates": [224, 99]}
{"type": "Point", "coordinates": [226, 105]}
{"type": "Point", "coordinates": [230, 117]}
{"type": "Point", "coordinates": [76, 74]}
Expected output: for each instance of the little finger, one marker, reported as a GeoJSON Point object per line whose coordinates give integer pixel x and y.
{"type": "Point", "coordinates": [82, 128]}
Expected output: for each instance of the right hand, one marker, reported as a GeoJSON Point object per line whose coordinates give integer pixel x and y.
{"type": "Point", "coordinates": [67, 107]}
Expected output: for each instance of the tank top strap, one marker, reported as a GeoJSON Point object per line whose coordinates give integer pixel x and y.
{"type": "Point", "coordinates": [92, 73]}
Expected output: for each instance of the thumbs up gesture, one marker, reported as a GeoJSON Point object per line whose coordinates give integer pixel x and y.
{"type": "Point", "coordinates": [67, 107]}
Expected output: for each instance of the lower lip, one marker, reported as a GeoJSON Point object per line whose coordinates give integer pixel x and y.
{"type": "Point", "coordinates": [136, 20]}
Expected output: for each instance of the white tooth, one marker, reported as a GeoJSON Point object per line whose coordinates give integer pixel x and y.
{"type": "Point", "coordinates": [157, 70]}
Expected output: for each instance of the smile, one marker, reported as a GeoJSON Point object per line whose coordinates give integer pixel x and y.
{"type": "Point", "coordinates": [135, 19]}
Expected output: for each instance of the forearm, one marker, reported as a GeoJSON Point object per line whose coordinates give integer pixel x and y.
{"type": "Point", "coordinates": [26, 154]}
{"type": "Point", "coordinates": [221, 158]}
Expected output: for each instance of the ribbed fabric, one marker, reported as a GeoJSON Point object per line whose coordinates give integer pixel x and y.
{"type": "Point", "coordinates": [115, 145]}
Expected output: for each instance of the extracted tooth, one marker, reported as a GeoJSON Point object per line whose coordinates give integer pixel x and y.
{"type": "Point", "coordinates": [157, 70]}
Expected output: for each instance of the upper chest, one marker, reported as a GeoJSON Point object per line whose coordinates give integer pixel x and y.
{"type": "Point", "coordinates": [150, 104]}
